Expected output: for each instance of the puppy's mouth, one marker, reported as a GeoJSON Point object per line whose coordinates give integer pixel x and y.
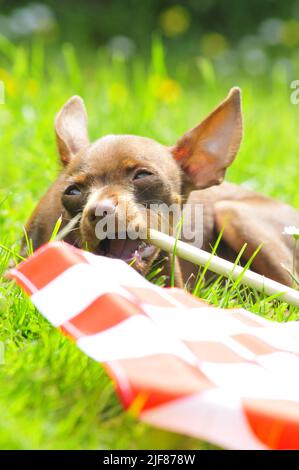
{"type": "Point", "coordinates": [137, 252]}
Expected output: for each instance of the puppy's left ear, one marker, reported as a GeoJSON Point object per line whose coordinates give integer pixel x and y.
{"type": "Point", "coordinates": [207, 150]}
{"type": "Point", "coordinates": [71, 128]}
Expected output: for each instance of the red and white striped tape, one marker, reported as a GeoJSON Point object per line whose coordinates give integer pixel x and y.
{"type": "Point", "coordinates": [226, 376]}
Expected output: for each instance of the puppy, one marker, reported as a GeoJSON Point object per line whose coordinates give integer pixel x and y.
{"type": "Point", "coordinates": [118, 175]}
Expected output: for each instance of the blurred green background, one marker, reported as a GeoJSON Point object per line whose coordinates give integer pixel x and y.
{"type": "Point", "coordinates": [151, 68]}
{"type": "Point", "coordinates": [244, 36]}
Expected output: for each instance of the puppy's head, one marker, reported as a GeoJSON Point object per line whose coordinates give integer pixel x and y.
{"type": "Point", "coordinates": [115, 181]}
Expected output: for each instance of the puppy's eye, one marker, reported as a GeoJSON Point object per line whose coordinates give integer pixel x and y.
{"type": "Point", "coordinates": [72, 190]}
{"type": "Point", "coordinates": [140, 174]}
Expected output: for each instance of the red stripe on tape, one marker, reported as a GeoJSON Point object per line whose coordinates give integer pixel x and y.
{"type": "Point", "coordinates": [274, 422]}
{"type": "Point", "coordinates": [161, 378]}
{"type": "Point", "coordinates": [45, 265]}
{"type": "Point", "coordinates": [105, 312]}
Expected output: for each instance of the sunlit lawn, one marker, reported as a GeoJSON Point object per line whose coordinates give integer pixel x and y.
{"type": "Point", "coordinates": [51, 395]}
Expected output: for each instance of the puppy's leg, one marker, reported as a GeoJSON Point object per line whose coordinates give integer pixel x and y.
{"type": "Point", "coordinates": [255, 222]}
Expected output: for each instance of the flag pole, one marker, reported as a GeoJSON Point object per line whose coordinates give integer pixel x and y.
{"type": "Point", "coordinates": [223, 267]}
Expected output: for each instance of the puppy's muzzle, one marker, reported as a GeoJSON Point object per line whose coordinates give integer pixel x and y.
{"type": "Point", "coordinates": [98, 210]}
{"type": "Point", "coordinates": [118, 240]}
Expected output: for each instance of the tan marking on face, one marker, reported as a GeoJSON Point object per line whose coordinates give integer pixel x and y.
{"type": "Point", "coordinates": [129, 163]}
{"type": "Point", "coordinates": [81, 178]}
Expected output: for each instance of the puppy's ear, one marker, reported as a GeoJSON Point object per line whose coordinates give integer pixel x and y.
{"type": "Point", "coordinates": [71, 128]}
{"type": "Point", "coordinates": [206, 151]}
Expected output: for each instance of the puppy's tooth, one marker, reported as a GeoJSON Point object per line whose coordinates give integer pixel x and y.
{"type": "Point", "coordinates": [142, 245]}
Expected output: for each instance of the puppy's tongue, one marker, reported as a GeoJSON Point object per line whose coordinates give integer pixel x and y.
{"type": "Point", "coordinates": [126, 249]}
{"type": "Point", "coordinates": [123, 248]}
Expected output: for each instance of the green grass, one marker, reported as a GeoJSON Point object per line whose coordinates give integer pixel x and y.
{"type": "Point", "coordinates": [51, 395]}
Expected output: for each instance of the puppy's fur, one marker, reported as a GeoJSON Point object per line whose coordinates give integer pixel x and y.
{"type": "Point", "coordinates": [128, 170]}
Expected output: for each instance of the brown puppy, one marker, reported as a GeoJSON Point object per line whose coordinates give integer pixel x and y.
{"type": "Point", "coordinates": [120, 172]}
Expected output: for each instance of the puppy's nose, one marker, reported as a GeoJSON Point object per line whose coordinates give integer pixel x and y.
{"type": "Point", "coordinates": [100, 209]}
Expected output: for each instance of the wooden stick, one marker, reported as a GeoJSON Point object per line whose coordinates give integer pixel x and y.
{"type": "Point", "coordinates": [224, 267]}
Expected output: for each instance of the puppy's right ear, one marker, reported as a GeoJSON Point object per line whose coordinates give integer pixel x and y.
{"type": "Point", "coordinates": [208, 149]}
{"type": "Point", "coordinates": [71, 129]}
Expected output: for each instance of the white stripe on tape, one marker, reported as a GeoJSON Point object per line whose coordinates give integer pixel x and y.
{"type": "Point", "coordinates": [252, 381]}
{"type": "Point", "coordinates": [72, 291]}
{"type": "Point", "coordinates": [205, 324]}
{"type": "Point", "coordinates": [278, 338]}
{"type": "Point", "coordinates": [134, 337]}
{"type": "Point", "coordinates": [120, 271]}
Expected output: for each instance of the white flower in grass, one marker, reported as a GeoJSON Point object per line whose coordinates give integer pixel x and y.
{"type": "Point", "coordinates": [292, 230]}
